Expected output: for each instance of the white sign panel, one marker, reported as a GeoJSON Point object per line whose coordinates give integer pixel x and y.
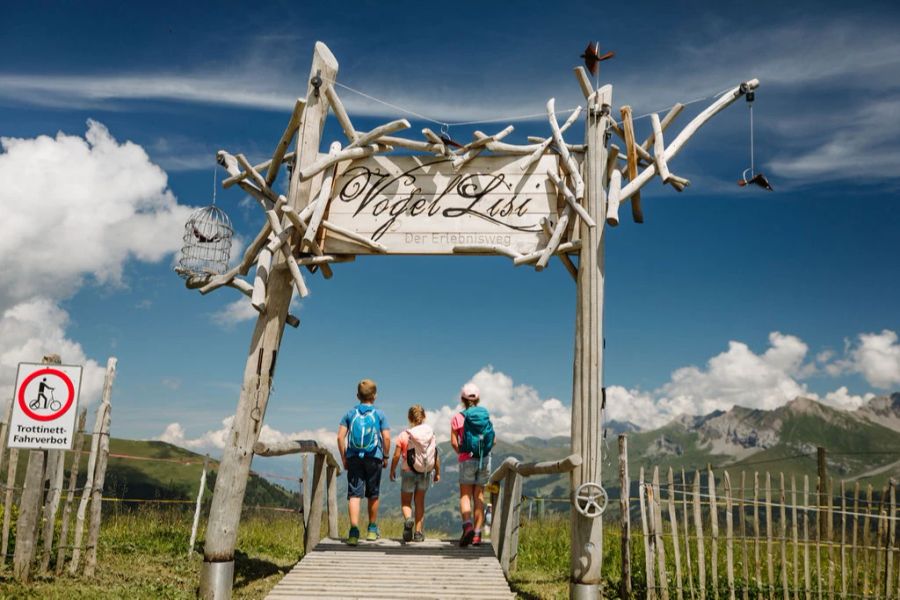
{"type": "Point", "coordinates": [44, 406]}
{"type": "Point", "coordinates": [421, 205]}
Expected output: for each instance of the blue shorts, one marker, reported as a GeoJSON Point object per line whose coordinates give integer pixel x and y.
{"type": "Point", "coordinates": [470, 474]}
{"type": "Point", "coordinates": [363, 476]}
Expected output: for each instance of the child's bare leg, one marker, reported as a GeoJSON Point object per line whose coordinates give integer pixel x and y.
{"type": "Point", "coordinates": [373, 510]}
{"type": "Point", "coordinates": [479, 506]}
{"type": "Point", "coordinates": [406, 504]}
{"type": "Point", "coordinates": [420, 510]}
{"type": "Point", "coordinates": [465, 501]}
{"type": "Point", "coordinates": [353, 504]}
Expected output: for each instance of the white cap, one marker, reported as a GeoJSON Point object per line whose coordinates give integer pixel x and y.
{"type": "Point", "coordinates": [470, 391]}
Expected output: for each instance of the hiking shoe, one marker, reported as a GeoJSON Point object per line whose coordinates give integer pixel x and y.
{"type": "Point", "coordinates": [408, 530]}
{"type": "Point", "coordinates": [353, 536]}
{"type": "Point", "coordinates": [419, 537]}
{"type": "Point", "coordinates": [476, 540]}
{"type": "Point", "coordinates": [467, 536]}
{"type": "Point", "coordinates": [372, 534]}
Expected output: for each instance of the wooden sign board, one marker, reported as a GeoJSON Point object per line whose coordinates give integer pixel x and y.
{"type": "Point", "coordinates": [420, 205]}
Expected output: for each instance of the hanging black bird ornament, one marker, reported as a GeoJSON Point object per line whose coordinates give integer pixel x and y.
{"type": "Point", "coordinates": [750, 176]}
{"type": "Point", "coordinates": [593, 58]}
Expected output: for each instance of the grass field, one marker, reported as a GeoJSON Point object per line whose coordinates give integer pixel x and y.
{"type": "Point", "coordinates": [143, 554]}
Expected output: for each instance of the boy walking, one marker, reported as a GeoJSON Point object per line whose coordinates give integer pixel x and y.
{"type": "Point", "coordinates": [364, 441]}
{"type": "Point", "coordinates": [472, 437]}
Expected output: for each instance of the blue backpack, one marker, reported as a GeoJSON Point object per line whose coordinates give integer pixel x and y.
{"type": "Point", "coordinates": [364, 431]}
{"type": "Point", "coordinates": [478, 432]}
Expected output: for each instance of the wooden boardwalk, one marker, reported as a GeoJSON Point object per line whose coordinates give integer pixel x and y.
{"type": "Point", "coordinates": [392, 569]}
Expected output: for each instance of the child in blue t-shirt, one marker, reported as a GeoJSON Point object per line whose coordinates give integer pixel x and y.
{"type": "Point", "coordinates": [364, 441]}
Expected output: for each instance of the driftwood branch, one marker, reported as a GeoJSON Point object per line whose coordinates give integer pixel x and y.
{"type": "Point", "coordinates": [570, 199]}
{"type": "Point", "coordinates": [513, 465]}
{"type": "Point", "coordinates": [486, 249]}
{"type": "Point", "coordinates": [373, 136]}
{"type": "Point", "coordinates": [285, 141]}
{"type": "Point", "coordinates": [555, 239]}
{"type": "Point", "coordinates": [631, 152]}
{"type": "Point", "coordinates": [296, 447]}
{"type": "Point", "coordinates": [322, 202]}
{"type": "Point", "coordinates": [542, 146]}
{"type": "Point", "coordinates": [568, 163]}
{"type": "Point", "coordinates": [477, 146]}
{"type": "Point", "coordinates": [337, 107]}
{"type": "Point", "coordinates": [634, 185]}
{"type": "Point", "coordinates": [347, 154]}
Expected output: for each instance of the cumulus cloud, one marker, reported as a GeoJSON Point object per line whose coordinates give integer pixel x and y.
{"type": "Point", "coordinates": [74, 209]}
{"type": "Point", "coordinates": [514, 409]}
{"type": "Point", "coordinates": [214, 439]}
{"type": "Point", "coordinates": [875, 356]}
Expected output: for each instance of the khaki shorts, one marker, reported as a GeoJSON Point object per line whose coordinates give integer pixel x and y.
{"type": "Point", "coordinates": [414, 482]}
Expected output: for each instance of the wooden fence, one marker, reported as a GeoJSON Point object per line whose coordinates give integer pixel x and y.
{"type": "Point", "coordinates": [716, 534]}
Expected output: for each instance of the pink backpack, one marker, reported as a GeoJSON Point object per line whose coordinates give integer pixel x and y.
{"type": "Point", "coordinates": [421, 450]}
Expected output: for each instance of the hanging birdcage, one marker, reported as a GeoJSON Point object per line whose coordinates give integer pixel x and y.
{"type": "Point", "coordinates": [207, 243]}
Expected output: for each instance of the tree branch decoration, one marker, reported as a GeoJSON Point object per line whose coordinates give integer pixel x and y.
{"type": "Point", "coordinates": [299, 236]}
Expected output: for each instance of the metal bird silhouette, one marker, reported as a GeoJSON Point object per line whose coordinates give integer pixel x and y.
{"type": "Point", "coordinates": [204, 239]}
{"type": "Point", "coordinates": [758, 179]}
{"type": "Point", "coordinates": [592, 57]}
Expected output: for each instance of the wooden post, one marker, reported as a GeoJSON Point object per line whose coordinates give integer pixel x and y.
{"type": "Point", "coordinates": [656, 519]}
{"type": "Point", "coordinates": [829, 528]}
{"type": "Point", "coordinates": [714, 532]}
{"type": "Point", "coordinates": [818, 539]}
{"type": "Point", "coordinates": [231, 481]}
{"type": "Point", "coordinates": [4, 431]}
{"type": "Point", "coordinates": [756, 533]}
{"type": "Point", "coordinates": [822, 467]}
{"type": "Point", "coordinates": [624, 497]}
{"type": "Point", "coordinates": [783, 532]}
{"type": "Point", "coordinates": [54, 493]}
{"type": "Point", "coordinates": [305, 490]}
{"type": "Point", "coordinates": [865, 542]}
{"type": "Point", "coordinates": [8, 500]}
{"type": "Point", "coordinates": [770, 551]}
{"type": "Point", "coordinates": [311, 534]}
{"type": "Point", "coordinates": [745, 553]}
{"type": "Point", "coordinates": [698, 525]}
{"type": "Point", "coordinates": [70, 496]}
{"type": "Point", "coordinates": [796, 537]}
{"type": "Point", "coordinates": [27, 525]}
{"type": "Point", "coordinates": [687, 537]}
{"type": "Point", "coordinates": [90, 563]}
{"type": "Point", "coordinates": [854, 540]}
{"type": "Point", "coordinates": [729, 534]}
{"type": "Point", "coordinates": [807, 583]}
{"type": "Point", "coordinates": [332, 504]}
{"type": "Point", "coordinates": [512, 500]}
{"type": "Point", "coordinates": [587, 394]}
{"type": "Point", "coordinates": [673, 521]}
{"type": "Point", "coordinates": [890, 524]}
{"type": "Point", "coordinates": [29, 512]}
{"type": "Point", "coordinates": [843, 539]}
{"type": "Point", "coordinates": [645, 530]}
{"type": "Point", "coordinates": [90, 473]}
{"type": "Point", "coordinates": [200, 491]}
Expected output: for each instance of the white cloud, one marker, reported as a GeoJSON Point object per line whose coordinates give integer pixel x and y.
{"type": "Point", "coordinates": [875, 356]}
{"type": "Point", "coordinates": [233, 313]}
{"type": "Point", "coordinates": [841, 398]}
{"type": "Point", "coordinates": [35, 328]}
{"type": "Point", "coordinates": [215, 439]}
{"type": "Point", "coordinates": [73, 209]}
{"type": "Point", "coordinates": [515, 409]}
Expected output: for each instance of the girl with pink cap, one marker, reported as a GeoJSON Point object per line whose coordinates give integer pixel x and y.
{"type": "Point", "coordinates": [472, 437]}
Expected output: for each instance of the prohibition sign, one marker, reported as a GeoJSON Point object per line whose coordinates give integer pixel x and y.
{"type": "Point", "coordinates": [70, 388]}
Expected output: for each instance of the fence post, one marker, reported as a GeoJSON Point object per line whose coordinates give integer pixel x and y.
{"type": "Point", "coordinates": [496, 519]}
{"type": "Point", "coordinates": [822, 467]}
{"type": "Point", "coordinates": [100, 477]}
{"type": "Point", "coordinates": [729, 533]}
{"type": "Point", "coordinates": [673, 518]}
{"type": "Point", "coordinates": [56, 476]}
{"type": "Point", "coordinates": [200, 491]}
{"type": "Point", "coordinates": [687, 537]}
{"type": "Point", "coordinates": [332, 504]}
{"type": "Point", "coordinates": [713, 531]}
{"type": "Point", "coordinates": [512, 502]}
{"type": "Point", "coordinates": [624, 498]}
{"type": "Point", "coordinates": [698, 525]}
{"type": "Point", "coordinates": [314, 525]}
{"type": "Point", "coordinates": [656, 519]}
{"type": "Point", "coordinates": [29, 511]}
{"type": "Point", "coordinates": [73, 480]}
{"type": "Point", "coordinates": [30, 502]}
{"type": "Point", "coordinates": [889, 546]}
{"type": "Point", "coordinates": [7, 503]}
{"type": "Point", "coordinates": [86, 492]}
{"type": "Point", "coordinates": [304, 489]}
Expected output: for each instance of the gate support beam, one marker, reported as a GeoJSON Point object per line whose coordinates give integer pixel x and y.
{"type": "Point", "coordinates": [231, 480]}
{"type": "Point", "coordinates": [587, 393]}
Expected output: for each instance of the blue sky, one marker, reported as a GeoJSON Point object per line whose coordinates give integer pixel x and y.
{"type": "Point", "coordinates": [725, 295]}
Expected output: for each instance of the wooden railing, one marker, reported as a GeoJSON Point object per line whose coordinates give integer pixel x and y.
{"type": "Point", "coordinates": [508, 504]}
{"type": "Point", "coordinates": [325, 472]}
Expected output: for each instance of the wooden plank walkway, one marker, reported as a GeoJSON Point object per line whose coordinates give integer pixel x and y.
{"type": "Point", "coordinates": [392, 569]}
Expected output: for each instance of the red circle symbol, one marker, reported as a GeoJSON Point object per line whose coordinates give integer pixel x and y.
{"type": "Point", "coordinates": [23, 404]}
